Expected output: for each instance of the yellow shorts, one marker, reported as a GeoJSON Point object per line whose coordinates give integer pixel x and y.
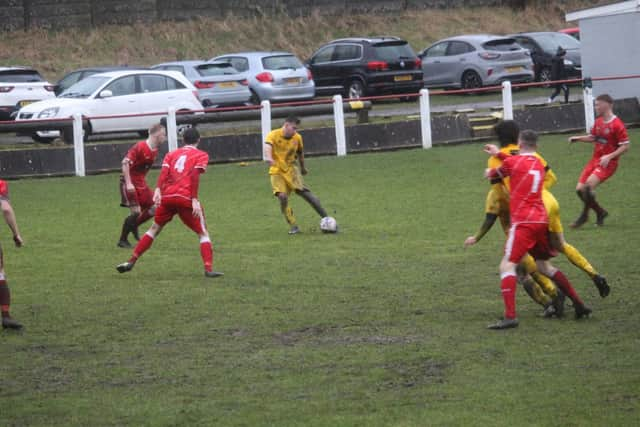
{"type": "Point", "coordinates": [553, 211]}
{"type": "Point", "coordinates": [287, 183]}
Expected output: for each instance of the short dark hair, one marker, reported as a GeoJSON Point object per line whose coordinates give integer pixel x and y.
{"type": "Point", "coordinates": [507, 132]}
{"type": "Point", "coordinates": [155, 128]}
{"type": "Point", "coordinates": [293, 120]}
{"type": "Point", "coordinates": [528, 138]}
{"type": "Point", "coordinates": [606, 98]}
{"type": "Point", "coordinates": [191, 136]}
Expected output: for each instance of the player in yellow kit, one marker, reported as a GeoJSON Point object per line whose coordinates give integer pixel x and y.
{"type": "Point", "coordinates": [285, 155]}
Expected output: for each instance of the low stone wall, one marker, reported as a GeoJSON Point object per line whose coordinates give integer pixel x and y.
{"type": "Point", "coordinates": [446, 129]}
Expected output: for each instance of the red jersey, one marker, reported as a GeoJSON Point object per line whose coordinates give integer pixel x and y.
{"type": "Point", "coordinates": [141, 158]}
{"type": "Point", "coordinates": [526, 174]}
{"type": "Point", "coordinates": [609, 136]}
{"type": "Point", "coordinates": [180, 172]}
{"type": "Point", "coordinates": [4, 189]}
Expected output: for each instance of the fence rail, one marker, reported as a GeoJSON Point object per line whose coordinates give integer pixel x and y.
{"type": "Point", "coordinates": [267, 111]}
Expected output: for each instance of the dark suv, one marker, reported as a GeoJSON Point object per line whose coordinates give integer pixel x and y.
{"type": "Point", "coordinates": [543, 47]}
{"type": "Point", "coordinates": [357, 67]}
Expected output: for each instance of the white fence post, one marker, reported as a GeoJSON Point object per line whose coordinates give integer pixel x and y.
{"type": "Point", "coordinates": [172, 129]}
{"type": "Point", "coordinates": [78, 144]}
{"type": "Point", "coordinates": [338, 119]}
{"type": "Point", "coordinates": [507, 101]}
{"type": "Point", "coordinates": [425, 118]}
{"type": "Point", "coordinates": [265, 122]}
{"type": "Point", "coordinates": [589, 114]}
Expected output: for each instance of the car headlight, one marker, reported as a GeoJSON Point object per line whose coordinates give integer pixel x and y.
{"type": "Point", "coordinates": [48, 113]}
{"type": "Point", "coordinates": [568, 62]}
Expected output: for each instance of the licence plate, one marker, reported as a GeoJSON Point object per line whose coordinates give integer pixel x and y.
{"type": "Point", "coordinates": [25, 103]}
{"type": "Point", "coordinates": [403, 78]}
{"type": "Point", "coordinates": [227, 84]}
{"type": "Point", "coordinates": [293, 81]}
{"type": "Point", "coordinates": [513, 69]}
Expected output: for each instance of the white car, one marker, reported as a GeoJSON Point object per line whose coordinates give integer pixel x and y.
{"type": "Point", "coordinates": [20, 86]}
{"type": "Point", "coordinates": [116, 93]}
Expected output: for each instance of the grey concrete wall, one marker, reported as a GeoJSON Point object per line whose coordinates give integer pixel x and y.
{"type": "Point", "coordinates": [611, 47]}
{"type": "Point", "coordinates": [21, 14]}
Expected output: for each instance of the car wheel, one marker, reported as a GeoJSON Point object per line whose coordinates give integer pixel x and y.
{"type": "Point", "coordinates": [255, 98]}
{"type": "Point", "coordinates": [471, 80]}
{"type": "Point", "coordinates": [67, 135]}
{"type": "Point", "coordinates": [545, 75]}
{"type": "Point", "coordinates": [42, 139]}
{"type": "Point", "coordinates": [356, 89]}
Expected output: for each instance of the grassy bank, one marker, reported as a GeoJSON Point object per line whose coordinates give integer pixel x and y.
{"type": "Point", "coordinates": [57, 52]}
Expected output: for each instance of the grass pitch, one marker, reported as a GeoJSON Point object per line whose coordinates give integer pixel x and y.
{"type": "Point", "coordinates": [382, 324]}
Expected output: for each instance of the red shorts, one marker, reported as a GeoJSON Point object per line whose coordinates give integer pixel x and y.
{"type": "Point", "coordinates": [177, 205]}
{"type": "Point", "coordinates": [528, 237]}
{"type": "Point", "coordinates": [594, 168]}
{"type": "Point", "coordinates": [143, 196]}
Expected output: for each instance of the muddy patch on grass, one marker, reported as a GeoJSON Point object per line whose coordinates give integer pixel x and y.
{"type": "Point", "coordinates": [412, 373]}
{"type": "Point", "coordinates": [336, 335]}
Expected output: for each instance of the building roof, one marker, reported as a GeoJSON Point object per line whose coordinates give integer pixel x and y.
{"type": "Point", "coordinates": [608, 10]}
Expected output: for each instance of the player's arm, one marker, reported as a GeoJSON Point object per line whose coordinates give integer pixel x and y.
{"type": "Point", "coordinates": [164, 173]}
{"type": "Point", "coordinates": [582, 138]}
{"type": "Point", "coordinates": [622, 148]}
{"type": "Point", "coordinates": [10, 219]}
{"type": "Point", "coordinates": [196, 208]}
{"type": "Point", "coordinates": [268, 153]}
{"type": "Point", "coordinates": [126, 173]}
{"type": "Point", "coordinates": [303, 169]}
{"type": "Point", "coordinates": [489, 220]}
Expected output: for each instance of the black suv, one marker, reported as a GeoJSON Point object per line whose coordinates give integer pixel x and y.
{"type": "Point", "coordinates": [543, 47]}
{"type": "Point", "coordinates": [357, 67]}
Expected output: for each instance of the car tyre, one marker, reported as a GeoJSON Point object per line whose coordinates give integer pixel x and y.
{"type": "Point", "coordinates": [42, 139]}
{"type": "Point", "coordinates": [356, 89]}
{"type": "Point", "coordinates": [545, 75]}
{"type": "Point", "coordinates": [471, 80]}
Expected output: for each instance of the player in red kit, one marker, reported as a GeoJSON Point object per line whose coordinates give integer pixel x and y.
{"type": "Point", "coordinates": [5, 296]}
{"type": "Point", "coordinates": [177, 194]}
{"type": "Point", "coordinates": [610, 142]}
{"type": "Point", "coordinates": [135, 192]}
{"type": "Point", "coordinates": [529, 223]}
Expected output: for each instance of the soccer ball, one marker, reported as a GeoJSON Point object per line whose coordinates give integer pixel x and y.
{"type": "Point", "coordinates": [328, 225]}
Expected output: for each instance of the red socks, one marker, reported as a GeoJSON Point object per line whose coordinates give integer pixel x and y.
{"type": "Point", "coordinates": [5, 298]}
{"type": "Point", "coordinates": [508, 286]}
{"type": "Point", "coordinates": [565, 286]}
{"type": "Point", "coordinates": [143, 245]}
{"type": "Point", "coordinates": [206, 250]}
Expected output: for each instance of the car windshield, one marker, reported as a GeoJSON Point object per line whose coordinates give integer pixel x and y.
{"type": "Point", "coordinates": [549, 42]}
{"type": "Point", "coordinates": [20, 76]}
{"type": "Point", "coordinates": [502, 45]}
{"type": "Point", "coordinates": [393, 51]}
{"type": "Point", "coordinates": [84, 88]}
{"type": "Point", "coordinates": [216, 69]}
{"type": "Point", "coordinates": [281, 62]}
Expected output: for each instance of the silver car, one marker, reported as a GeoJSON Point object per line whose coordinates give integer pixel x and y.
{"type": "Point", "coordinates": [218, 83]}
{"type": "Point", "coordinates": [273, 76]}
{"type": "Point", "coordinates": [473, 61]}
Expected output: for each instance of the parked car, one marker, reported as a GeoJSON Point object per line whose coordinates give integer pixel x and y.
{"type": "Point", "coordinates": [20, 86]}
{"type": "Point", "coordinates": [75, 76]}
{"type": "Point", "coordinates": [473, 61]}
{"type": "Point", "coordinates": [357, 67]}
{"type": "Point", "coordinates": [573, 32]}
{"type": "Point", "coordinates": [116, 93]}
{"type": "Point", "coordinates": [273, 76]}
{"type": "Point", "coordinates": [544, 45]}
{"type": "Point", "coordinates": [218, 83]}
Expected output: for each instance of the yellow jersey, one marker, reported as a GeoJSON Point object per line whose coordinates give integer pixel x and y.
{"type": "Point", "coordinates": [284, 151]}
{"type": "Point", "coordinates": [502, 184]}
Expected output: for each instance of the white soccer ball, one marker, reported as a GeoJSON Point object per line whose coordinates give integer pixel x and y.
{"type": "Point", "coordinates": [328, 225]}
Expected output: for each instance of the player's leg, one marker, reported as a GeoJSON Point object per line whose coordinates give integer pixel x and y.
{"type": "Point", "coordinates": [147, 210]}
{"type": "Point", "coordinates": [580, 191]}
{"type": "Point", "coordinates": [130, 199]}
{"type": "Point", "coordinates": [199, 226]}
{"type": "Point", "coordinates": [545, 284]}
{"type": "Point", "coordinates": [164, 214]}
{"type": "Point", "coordinates": [563, 283]}
{"type": "Point", "coordinates": [556, 92]}
{"type": "Point", "coordinates": [5, 300]}
{"type": "Point", "coordinates": [565, 89]}
{"type": "Point", "coordinates": [535, 283]}
{"type": "Point", "coordinates": [281, 190]}
{"type": "Point", "coordinates": [310, 198]}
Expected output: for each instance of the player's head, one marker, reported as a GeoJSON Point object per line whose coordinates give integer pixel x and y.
{"type": "Point", "coordinates": [604, 104]}
{"type": "Point", "coordinates": [290, 126]}
{"type": "Point", "coordinates": [507, 132]}
{"type": "Point", "coordinates": [191, 136]}
{"type": "Point", "coordinates": [528, 141]}
{"type": "Point", "coordinates": [157, 134]}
